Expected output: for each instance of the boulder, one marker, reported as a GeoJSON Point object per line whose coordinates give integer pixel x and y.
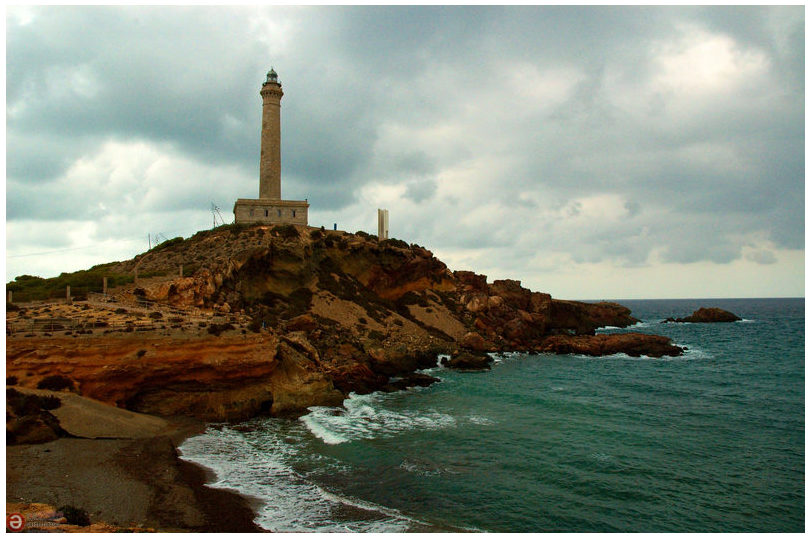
{"type": "Point", "coordinates": [469, 361]}
{"type": "Point", "coordinates": [411, 380]}
{"type": "Point", "coordinates": [475, 342]}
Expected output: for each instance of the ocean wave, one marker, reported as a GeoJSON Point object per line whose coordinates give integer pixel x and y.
{"type": "Point", "coordinates": [480, 420]}
{"type": "Point", "coordinates": [366, 417]}
{"type": "Point", "coordinates": [638, 325]}
{"type": "Point", "coordinates": [290, 502]}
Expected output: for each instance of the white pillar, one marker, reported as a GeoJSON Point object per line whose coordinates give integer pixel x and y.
{"type": "Point", "coordinates": [382, 224]}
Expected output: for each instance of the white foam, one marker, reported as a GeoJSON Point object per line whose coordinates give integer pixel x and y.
{"type": "Point", "coordinates": [638, 325]}
{"type": "Point", "coordinates": [367, 417]}
{"type": "Point", "coordinates": [481, 420]}
{"type": "Point", "coordinates": [694, 353]}
{"type": "Point", "coordinates": [688, 354]}
{"type": "Point", "coordinates": [506, 356]}
{"type": "Point", "coordinates": [257, 467]}
{"type": "Point", "coordinates": [320, 431]}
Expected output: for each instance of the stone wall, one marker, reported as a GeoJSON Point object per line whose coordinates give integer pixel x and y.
{"type": "Point", "coordinates": [248, 211]}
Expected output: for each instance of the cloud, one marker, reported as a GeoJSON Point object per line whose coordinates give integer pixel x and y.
{"type": "Point", "coordinates": [545, 136]}
{"type": "Point", "coordinates": [762, 257]}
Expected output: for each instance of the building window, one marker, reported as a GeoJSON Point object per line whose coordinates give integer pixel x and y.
{"type": "Point", "coordinates": [279, 212]}
{"type": "Point", "coordinates": [293, 213]}
{"type": "Point", "coordinates": [266, 213]}
{"type": "Point", "coordinates": [251, 212]}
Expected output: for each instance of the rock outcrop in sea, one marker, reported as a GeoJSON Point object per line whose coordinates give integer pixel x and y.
{"type": "Point", "coordinates": [706, 315]}
{"type": "Point", "coordinates": [308, 316]}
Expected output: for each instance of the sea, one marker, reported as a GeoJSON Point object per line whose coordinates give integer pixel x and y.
{"type": "Point", "coordinates": [712, 441]}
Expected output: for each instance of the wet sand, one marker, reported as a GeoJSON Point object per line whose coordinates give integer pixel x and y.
{"type": "Point", "coordinates": [127, 482]}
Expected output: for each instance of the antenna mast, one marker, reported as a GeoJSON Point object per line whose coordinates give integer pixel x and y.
{"type": "Point", "coordinates": [216, 215]}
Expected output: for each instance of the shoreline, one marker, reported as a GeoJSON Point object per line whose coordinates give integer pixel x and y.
{"type": "Point", "coordinates": [129, 482]}
{"type": "Point", "coordinates": [202, 476]}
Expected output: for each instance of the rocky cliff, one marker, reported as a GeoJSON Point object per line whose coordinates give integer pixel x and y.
{"type": "Point", "coordinates": [307, 316]}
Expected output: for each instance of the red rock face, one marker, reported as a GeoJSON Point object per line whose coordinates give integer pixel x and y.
{"type": "Point", "coordinates": [215, 378]}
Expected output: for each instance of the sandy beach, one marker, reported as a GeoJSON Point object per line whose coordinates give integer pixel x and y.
{"type": "Point", "coordinates": [135, 482]}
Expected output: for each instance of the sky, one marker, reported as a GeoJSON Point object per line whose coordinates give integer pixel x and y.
{"type": "Point", "coordinates": [589, 152]}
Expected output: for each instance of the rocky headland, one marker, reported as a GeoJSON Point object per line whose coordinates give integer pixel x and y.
{"type": "Point", "coordinates": [244, 321]}
{"type": "Point", "coordinates": [297, 317]}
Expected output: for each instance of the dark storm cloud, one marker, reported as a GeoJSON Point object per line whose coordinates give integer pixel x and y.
{"type": "Point", "coordinates": [131, 73]}
{"type": "Point", "coordinates": [526, 111]}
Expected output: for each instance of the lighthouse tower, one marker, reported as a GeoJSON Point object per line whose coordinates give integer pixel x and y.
{"type": "Point", "coordinates": [269, 208]}
{"type": "Point", "coordinates": [270, 160]}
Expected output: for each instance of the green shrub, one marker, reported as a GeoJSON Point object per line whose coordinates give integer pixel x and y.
{"type": "Point", "coordinates": [217, 329]}
{"type": "Point", "coordinates": [30, 404]}
{"type": "Point", "coordinates": [32, 288]}
{"type": "Point", "coordinates": [287, 231]}
{"type": "Point", "coordinates": [300, 300]}
{"type": "Point", "coordinates": [395, 243]}
{"type": "Point", "coordinates": [75, 516]}
{"type": "Point", "coordinates": [376, 335]}
{"type": "Point", "coordinates": [166, 244]}
{"type": "Point", "coordinates": [55, 382]}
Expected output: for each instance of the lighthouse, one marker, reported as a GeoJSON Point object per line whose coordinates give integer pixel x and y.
{"type": "Point", "coordinates": [270, 158]}
{"type": "Point", "coordinates": [270, 208]}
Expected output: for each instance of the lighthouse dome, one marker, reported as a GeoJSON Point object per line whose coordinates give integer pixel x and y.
{"type": "Point", "coordinates": [272, 76]}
